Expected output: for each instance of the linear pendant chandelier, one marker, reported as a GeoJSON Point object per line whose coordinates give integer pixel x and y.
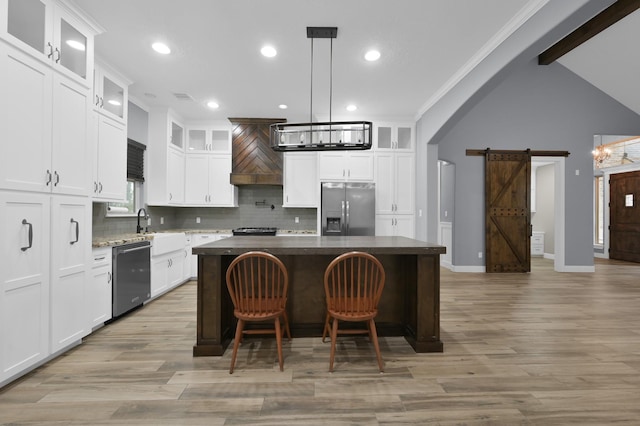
{"type": "Point", "coordinates": [321, 136]}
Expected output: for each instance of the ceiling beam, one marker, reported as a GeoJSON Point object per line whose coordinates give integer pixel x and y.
{"type": "Point", "coordinates": [592, 27]}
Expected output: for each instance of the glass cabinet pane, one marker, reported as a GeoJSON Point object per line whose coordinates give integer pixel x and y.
{"type": "Point", "coordinates": [73, 49]}
{"type": "Point", "coordinates": [176, 135]}
{"type": "Point", "coordinates": [113, 97]}
{"type": "Point", "coordinates": [404, 138]}
{"type": "Point", "coordinates": [384, 137]}
{"type": "Point", "coordinates": [197, 140]}
{"type": "Point", "coordinates": [26, 22]}
{"type": "Point", "coordinates": [219, 140]}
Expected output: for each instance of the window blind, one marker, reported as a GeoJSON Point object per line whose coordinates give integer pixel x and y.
{"type": "Point", "coordinates": [135, 160]}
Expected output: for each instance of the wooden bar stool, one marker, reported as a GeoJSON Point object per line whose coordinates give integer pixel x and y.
{"type": "Point", "coordinates": [258, 283]}
{"type": "Point", "coordinates": [353, 284]}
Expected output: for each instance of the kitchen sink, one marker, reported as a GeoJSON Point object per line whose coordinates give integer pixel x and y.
{"type": "Point", "coordinates": [166, 242]}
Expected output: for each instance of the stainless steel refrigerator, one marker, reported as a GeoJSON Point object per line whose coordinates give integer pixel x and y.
{"type": "Point", "coordinates": [348, 208]}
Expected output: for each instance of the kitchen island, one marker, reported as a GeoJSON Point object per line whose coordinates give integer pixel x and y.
{"type": "Point", "coordinates": [410, 304]}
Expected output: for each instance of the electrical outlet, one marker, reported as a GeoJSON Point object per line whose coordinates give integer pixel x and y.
{"type": "Point", "coordinates": [297, 219]}
{"type": "Point", "coordinates": [161, 220]}
{"type": "Point", "coordinates": [149, 221]}
{"type": "Point", "coordinates": [479, 255]}
{"type": "Point", "coordinates": [198, 219]}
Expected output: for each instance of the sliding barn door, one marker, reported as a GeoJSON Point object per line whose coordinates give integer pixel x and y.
{"type": "Point", "coordinates": [508, 224]}
{"type": "Point", "coordinates": [624, 216]}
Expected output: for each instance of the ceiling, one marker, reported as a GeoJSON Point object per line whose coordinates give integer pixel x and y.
{"type": "Point", "coordinates": [425, 46]}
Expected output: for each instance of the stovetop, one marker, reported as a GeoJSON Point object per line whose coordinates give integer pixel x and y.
{"type": "Point", "coordinates": [255, 231]}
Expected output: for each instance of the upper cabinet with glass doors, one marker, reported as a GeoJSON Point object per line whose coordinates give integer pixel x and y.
{"type": "Point", "coordinates": [394, 137]}
{"type": "Point", "coordinates": [110, 92]}
{"type": "Point", "coordinates": [53, 32]}
{"type": "Point", "coordinates": [209, 139]}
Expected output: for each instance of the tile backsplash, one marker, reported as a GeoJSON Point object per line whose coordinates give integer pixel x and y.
{"type": "Point", "coordinates": [258, 205]}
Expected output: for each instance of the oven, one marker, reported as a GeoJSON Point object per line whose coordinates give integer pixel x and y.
{"type": "Point", "coordinates": [131, 276]}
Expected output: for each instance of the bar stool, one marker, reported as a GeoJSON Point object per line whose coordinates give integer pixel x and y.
{"type": "Point", "coordinates": [258, 283]}
{"type": "Point", "coordinates": [353, 284]}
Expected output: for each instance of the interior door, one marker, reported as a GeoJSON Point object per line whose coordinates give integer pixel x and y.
{"type": "Point", "coordinates": [507, 215]}
{"type": "Point", "coordinates": [624, 216]}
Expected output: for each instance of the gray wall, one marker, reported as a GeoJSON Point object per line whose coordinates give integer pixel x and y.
{"type": "Point", "coordinates": [537, 107]}
{"type": "Point", "coordinates": [447, 191]}
{"type": "Point", "coordinates": [137, 123]}
{"type": "Point", "coordinates": [543, 219]}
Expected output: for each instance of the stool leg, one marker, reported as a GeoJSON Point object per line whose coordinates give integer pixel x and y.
{"type": "Point", "coordinates": [374, 336]}
{"type": "Point", "coordinates": [236, 344]}
{"type": "Point", "coordinates": [334, 335]}
{"type": "Point", "coordinates": [326, 327]}
{"type": "Point", "coordinates": [279, 342]}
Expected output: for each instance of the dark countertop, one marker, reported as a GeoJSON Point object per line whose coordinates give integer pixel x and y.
{"type": "Point", "coordinates": [318, 245]}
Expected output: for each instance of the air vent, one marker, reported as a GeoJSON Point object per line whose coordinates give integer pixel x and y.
{"type": "Point", "coordinates": [183, 96]}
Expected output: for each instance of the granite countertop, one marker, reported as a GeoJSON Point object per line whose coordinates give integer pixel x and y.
{"type": "Point", "coordinates": [120, 239]}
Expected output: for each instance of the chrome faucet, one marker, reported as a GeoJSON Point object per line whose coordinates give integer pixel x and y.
{"type": "Point", "coordinates": [146, 216]}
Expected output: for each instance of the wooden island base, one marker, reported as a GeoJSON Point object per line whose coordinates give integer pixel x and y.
{"type": "Point", "coordinates": [410, 304]}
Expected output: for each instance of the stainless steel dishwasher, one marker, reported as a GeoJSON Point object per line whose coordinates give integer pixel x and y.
{"type": "Point", "coordinates": [131, 276]}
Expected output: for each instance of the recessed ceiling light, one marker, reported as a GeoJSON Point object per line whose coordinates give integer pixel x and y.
{"type": "Point", "coordinates": [161, 48]}
{"type": "Point", "coordinates": [75, 44]}
{"type": "Point", "coordinates": [351, 107]}
{"type": "Point", "coordinates": [282, 106]}
{"type": "Point", "coordinates": [372, 55]}
{"type": "Point", "coordinates": [268, 51]}
{"type": "Point", "coordinates": [213, 105]}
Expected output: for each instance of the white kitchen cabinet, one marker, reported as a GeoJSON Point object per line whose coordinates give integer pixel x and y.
{"type": "Point", "coordinates": [209, 139]}
{"type": "Point", "coordinates": [25, 285]}
{"type": "Point", "coordinates": [55, 33]}
{"type": "Point", "coordinates": [110, 93]}
{"type": "Point", "coordinates": [101, 287]}
{"type": "Point", "coordinates": [70, 254]}
{"type": "Point", "coordinates": [389, 225]}
{"type": "Point", "coordinates": [110, 170]}
{"type": "Point", "coordinates": [186, 265]}
{"type": "Point", "coordinates": [350, 166]}
{"type": "Point", "coordinates": [537, 243]}
{"type": "Point", "coordinates": [392, 137]}
{"type": "Point", "coordinates": [395, 183]}
{"type": "Point", "coordinates": [301, 187]}
{"type": "Point", "coordinates": [166, 168]}
{"type": "Point", "coordinates": [198, 240]}
{"type": "Point", "coordinates": [207, 181]}
{"type": "Point", "coordinates": [166, 272]}
{"type": "Point", "coordinates": [46, 126]}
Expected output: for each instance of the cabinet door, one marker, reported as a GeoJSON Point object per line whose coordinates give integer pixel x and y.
{"type": "Point", "coordinates": [176, 269]}
{"type": "Point", "coordinates": [404, 226]}
{"type": "Point", "coordinates": [25, 108]}
{"type": "Point", "coordinates": [100, 296]}
{"type": "Point", "coordinates": [196, 188]}
{"type": "Point", "coordinates": [111, 166]}
{"type": "Point", "coordinates": [332, 166]}
{"type": "Point", "coordinates": [24, 287]}
{"type": "Point", "coordinates": [70, 254]}
{"type": "Point", "coordinates": [385, 226]}
{"type": "Point", "coordinates": [360, 166]}
{"type": "Point", "coordinates": [404, 183]}
{"type": "Point", "coordinates": [72, 52]}
{"type": "Point", "coordinates": [27, 24]}
{"type": "Point", "coordinates": [300, 180]}
{"type": "Point", "coordinates": [197, 140]}
{"type": "Point", "coordinates": [175, 177]}
{"type": "Point", "coordinates": [186, 263]}
{"type": "Point", "coordinates": [221, 192]}
{"type": "Point", "coordinates": [384, 182]}
{"type": "Point", "coordinates": [71, 154]}
{"type": "Point", "coordinates": [159, 274]}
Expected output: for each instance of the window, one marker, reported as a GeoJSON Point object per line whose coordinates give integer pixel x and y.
{"type": "Point", "coordinates": [598, 216]}
{"type": "Point", "coordinates": [135, 179]}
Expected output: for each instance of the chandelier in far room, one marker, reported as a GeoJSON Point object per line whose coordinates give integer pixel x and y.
{"type": "Point", "coordinates": [601, 153]}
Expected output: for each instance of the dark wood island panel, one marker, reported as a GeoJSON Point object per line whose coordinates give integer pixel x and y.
{"type": "Point", "coordinates": [410, 304]}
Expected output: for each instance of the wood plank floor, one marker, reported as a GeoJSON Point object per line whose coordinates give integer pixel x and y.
{"type": "Point", "coordinates": [543, 348]}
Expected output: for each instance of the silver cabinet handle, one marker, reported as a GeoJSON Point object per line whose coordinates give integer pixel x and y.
{"type": "Point", "coordinates": [96, 259]}
{"type": "Point", "coordinates": [109, 277]}
{"type": "Point", "coordinates": [77, 231]}
{"type": "Point", "coordinates": [57, 178]}
{"type": "Point", "coordinates": [48, 177]}
{"type": "Point", "coordinates": [97, 100]}
{"type": "Point", "coordinates": [50, 49]}
{"type": "Point", "coordinates": [100, 187]}
{"type": "Point", "coordinates": [101, 102]}
{"type": "Point", "coordinates": [24, 222]}
{"type": "Point", "coordinates": [59, 55]}
{"type": "Point", "coordinates": [170, 196]}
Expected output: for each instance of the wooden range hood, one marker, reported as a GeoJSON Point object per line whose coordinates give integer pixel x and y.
{"type": "Point", "coordinates": [253, 162]}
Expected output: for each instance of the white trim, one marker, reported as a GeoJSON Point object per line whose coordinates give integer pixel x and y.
{"type": "Point", "coordinates": [577, 268]}
{"type": "Point", "coordinates": [549, 256]}
{"type": "Point", "coordinates": [446, 264]}
{"type": "Point", "coordinates": [529, 10]}
{"type": "Point", "coordinates": [480, 269]}
{"type": "Point", "coordinates": [600, 255]}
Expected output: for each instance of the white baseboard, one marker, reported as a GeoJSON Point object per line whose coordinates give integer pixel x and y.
{"type": "Point", "coordinates": [577, 268]}
{"type": "Point", "coordinates": [549, 256]}
{"type": "Point", "coordinates": [468, 268]}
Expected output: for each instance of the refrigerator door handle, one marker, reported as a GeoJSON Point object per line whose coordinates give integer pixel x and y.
{"type": "Point", "coordinates": [343, 226]}
{"type": "Point", "coordinates": [347, 223]}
